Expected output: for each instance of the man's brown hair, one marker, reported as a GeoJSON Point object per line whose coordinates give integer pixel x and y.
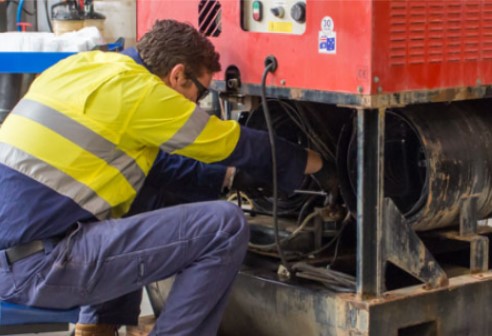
{"type": "Point", "coordinates": [171, 42]}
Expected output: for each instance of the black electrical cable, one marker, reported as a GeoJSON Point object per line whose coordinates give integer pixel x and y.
{"type": "Point", "coordinates": [239, 200]}
{"type": "Point", "coordinates": [334, 239]}
{"type": "Point", "coordinates": [306, 128]}
{"type": "Point", "coordinates": [288, 205]}
{"type": "Point", "coordinates": [305, 206]}
{"type": "Point", "coordinates": [269, 68]}
{"type": "Point", "coordinates": [303, 110]}
{"type": "Point", "coordinates": [334, 280]}
{"type": "Point", "coordinates": [335, 254]}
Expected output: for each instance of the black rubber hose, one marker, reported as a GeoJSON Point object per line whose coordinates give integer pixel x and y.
{"type": "Point", "coordinates": [270, 68]}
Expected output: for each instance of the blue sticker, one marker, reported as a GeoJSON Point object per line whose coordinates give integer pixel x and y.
{"type": "Point", "coordinates": [327, 42]}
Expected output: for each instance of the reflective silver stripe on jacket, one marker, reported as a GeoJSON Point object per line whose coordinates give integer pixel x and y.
{"type": "Point", "coordinates": [82, 137]}
{"type": "Point", "coordinates": [187, 134]}
{"type": "Point", "coordinates": [54, 179]}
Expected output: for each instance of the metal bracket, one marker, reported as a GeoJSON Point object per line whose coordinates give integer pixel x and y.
{"type": "Point", "coordinates": [468, 216]}
{"type": "Point", "coordinates": [403, 248]}
{"type": "Point", "coordinates": [382, 233]}
{"type": "Point", "coordinates": [479, 245]}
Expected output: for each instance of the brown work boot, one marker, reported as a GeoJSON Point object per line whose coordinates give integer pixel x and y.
{"type": "Point", "coordinates": [95, 330]}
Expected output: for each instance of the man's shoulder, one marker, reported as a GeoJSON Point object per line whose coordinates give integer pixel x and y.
{"type": "Point", "coordinates": [98, 61]}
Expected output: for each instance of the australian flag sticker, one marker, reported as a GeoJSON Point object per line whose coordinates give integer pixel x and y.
{"type": "Point", "coordinates": [327, 42]}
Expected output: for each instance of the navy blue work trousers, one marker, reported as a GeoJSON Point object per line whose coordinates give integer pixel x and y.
{"type": "Point", "coordinates": [103, 266]}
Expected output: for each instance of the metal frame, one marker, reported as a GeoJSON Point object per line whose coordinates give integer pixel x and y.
{"type": "Point", "coordinates": [395, 99]}
{"type": "Point", "coordinates": [262, 305]}
{"type": "Point", "coordinates": [382, 233]}
{"type": "Point", "coordinates": [379, 221]}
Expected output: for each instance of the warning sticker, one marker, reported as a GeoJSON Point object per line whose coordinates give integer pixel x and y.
{"type": "Point", "coordinates": [280, 27]}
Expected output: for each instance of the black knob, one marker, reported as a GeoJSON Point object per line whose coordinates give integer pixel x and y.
{"type": "Point", "coordinates": [278, 11]}
{"type": "Point", "coordinates": [298, 12]}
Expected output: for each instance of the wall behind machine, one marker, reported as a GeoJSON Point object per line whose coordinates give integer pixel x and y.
{"type": "Point", "coordinates": [120, 18]}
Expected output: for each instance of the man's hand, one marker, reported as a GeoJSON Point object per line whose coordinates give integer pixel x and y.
{"type": "Point", "coordinates": [327, 177]}
{"type": "Point", "coordinates": [252, 187]}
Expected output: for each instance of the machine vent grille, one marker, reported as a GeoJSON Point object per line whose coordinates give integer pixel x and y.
{"type": "Point", "coordinates": [440, 31]}
{"type": "Point", "coordinates": [209, 17]}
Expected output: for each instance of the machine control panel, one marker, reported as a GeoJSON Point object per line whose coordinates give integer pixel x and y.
{"type": "Point", "coordinates": [277, 16]}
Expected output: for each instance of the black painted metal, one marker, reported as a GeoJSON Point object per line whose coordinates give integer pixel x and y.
{"type": "Point", "coordinates": [366, 101]}
{"type": "Point", "coordinates": [468, 216]}
{"type": "Point", "coordinates": [468, 232]}
{"type": "Point", "coordinates": [404, 249]}
{"type": "Point", "coordinates": [262, 305]}
{"type": "Point", "coordinates": [370, 158]}
{"type": "Point", "coordinates": [445, 150]}
{"type": "Point", "coordinates": [458, 159]}
{"type": "Point", "coordinates": [479, 254]}
{"type": "Point", "coordinates": [405, 177]}
{"type": "Point", "coordinates": [33, 328]}
{"type": "Point", "coordinates": [436, 154]}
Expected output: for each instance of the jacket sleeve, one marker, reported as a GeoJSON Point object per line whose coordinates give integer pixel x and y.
{"type": "Point", "coordinates": [164, 118]}
{"type": "Point", "coordinates": [191, 179]}
{"type": "Point", "coordinates": [175, 179]}
{"type": "Point", "coordinates": [178, 126]}
{"type": "Point", "coordinates": [253, 154]}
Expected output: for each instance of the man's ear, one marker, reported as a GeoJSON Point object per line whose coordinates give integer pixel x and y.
{"type": "Point", "coordinates": [176, 76]}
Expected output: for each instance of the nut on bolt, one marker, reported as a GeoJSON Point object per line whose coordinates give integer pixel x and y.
{"type": "Point", "coordinates": [233, 83]}
{"type": "Point", "coordinates": [332, 213]}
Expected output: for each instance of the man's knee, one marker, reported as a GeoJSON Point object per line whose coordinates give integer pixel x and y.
{"type": "Point", "coordinates": [234, 220]}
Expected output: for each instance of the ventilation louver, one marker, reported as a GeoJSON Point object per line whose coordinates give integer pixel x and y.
{"type": "Point", "coordinates": [209, 18]}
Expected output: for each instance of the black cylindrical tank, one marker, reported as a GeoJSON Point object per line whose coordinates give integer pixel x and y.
{"type": "Point", "coordinates": [435, 154]}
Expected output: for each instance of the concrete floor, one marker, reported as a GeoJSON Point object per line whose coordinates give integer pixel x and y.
{"type": "Point", "coordinates": [146, 310]}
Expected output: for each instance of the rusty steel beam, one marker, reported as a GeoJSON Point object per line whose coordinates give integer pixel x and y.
{"type": "Point", "coordinates": [370, 172]}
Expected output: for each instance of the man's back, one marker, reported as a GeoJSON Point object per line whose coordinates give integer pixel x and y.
{"type": "Point", "coordinates": [69, 151]}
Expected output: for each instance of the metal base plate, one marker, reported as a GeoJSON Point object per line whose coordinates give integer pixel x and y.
{"type": "Point", "coordinates": [261, 305]}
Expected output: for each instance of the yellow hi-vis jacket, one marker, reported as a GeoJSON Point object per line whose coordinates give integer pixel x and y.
{"type": "Point", "coordinates": [90, 128]}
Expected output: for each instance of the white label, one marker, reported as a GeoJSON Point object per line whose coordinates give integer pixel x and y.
{"type": "Point", "coordinates": [327, 24]}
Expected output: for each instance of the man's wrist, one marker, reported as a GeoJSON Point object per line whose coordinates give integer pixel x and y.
{"type": "Point", "coordinates": [228, 179]}
{"type": "Point", "coordinates": [314, 162]}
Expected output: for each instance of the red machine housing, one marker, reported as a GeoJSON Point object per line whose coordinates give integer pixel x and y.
{"type": "Point", "coordinates": [378, 101]}
{"type": "Point", "coordinates": [381, 46]}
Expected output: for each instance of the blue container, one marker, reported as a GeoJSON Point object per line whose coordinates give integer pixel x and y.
{"type": "Point", "coordinates": [11, 314]}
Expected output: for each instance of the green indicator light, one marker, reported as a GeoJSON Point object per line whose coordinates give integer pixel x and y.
{"type": "Point", "coordinates": [257, 11]}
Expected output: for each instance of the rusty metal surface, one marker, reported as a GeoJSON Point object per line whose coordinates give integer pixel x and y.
{"type": "Point", "coordinates": [445, 150]}
{"type": "Point", "coordinates": [456, 141]}
{"type": "Point", "coordinates": [260, 305]}
{"type": "Point", "coordinates": [383, 100]}
{"type": "Point", "coordinates": [448, 309]}
{"type": "Point", "coordinates": [468, 216]}
{"type": "Point", "coordinates": [404, 249]}
{"type": "Point", "coordinates": [479, 248]}
{"type": "Point", "coordinates": [370, 170]}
